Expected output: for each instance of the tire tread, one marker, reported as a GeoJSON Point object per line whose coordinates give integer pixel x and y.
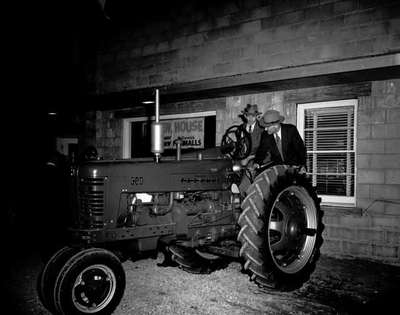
{"type": "Point", "coordinates": [253, 220]}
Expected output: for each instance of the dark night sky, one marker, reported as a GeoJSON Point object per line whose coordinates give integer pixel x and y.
{"type": "Point", "coordinates": [51, 43]}
{"type": "Point", "coordinates": [50, 46]}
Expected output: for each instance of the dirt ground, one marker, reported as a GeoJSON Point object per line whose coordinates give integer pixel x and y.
{"type": "Point", "coordinates": [336, 287]}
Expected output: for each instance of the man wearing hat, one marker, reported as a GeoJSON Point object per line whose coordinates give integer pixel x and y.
{"type": "Point", "coordinates": [250, 123]}
{"type": "Point", "coordinates": [281, 141]}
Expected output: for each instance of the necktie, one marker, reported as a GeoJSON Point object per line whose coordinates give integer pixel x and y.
{"type": "Point", "coordinates": [279, 144]}
{"type": "Point", "coordinates": [250, 128]}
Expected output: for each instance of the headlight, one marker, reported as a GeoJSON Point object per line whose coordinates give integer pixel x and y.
{"type": "Point", "coordinates": [145, 198]}
{"type": "Point", "coordinates": [235, 189]}
{"type": "Point", "coordinates": [236, 168]}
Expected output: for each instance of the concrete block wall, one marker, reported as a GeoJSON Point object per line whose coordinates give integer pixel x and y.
{"type": "Point", "coordinates": [227, 37]}
{"type": "Point", "coordinates": [88, 136]}
{"type": "Point", "coordinates": [378, 148]}
{"type": "Point", "coordinates": [109, 123]}
{"type": "Point", "coordinates": [373, 237]}
{"type": "Point", "coordinates": [106, 128]}
{"type": "Point", "coordinates": [108, 135]}
{"type": "Point", "coordinates": [265, 101]}
{"type": "Point", "coordinates": [373, 230]}
{"type": "Point", "coordinates": [375, 234]}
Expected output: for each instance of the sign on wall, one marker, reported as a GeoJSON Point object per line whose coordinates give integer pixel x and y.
{"type": "Point", "coordinates": [197, 131]}
{"type": "Point", "coordinates": [190, 130]}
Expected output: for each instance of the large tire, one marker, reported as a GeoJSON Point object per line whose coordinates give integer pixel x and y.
{"type": "Point", "coordinates": [48, 276]}
{"type": "Point", "coordinates": [90, 282]}
{"type": "Point", "coordinates": [281, 229]}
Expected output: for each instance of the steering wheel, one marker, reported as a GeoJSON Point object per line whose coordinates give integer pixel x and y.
{"type": "Point", "coordinates": [236, 142]}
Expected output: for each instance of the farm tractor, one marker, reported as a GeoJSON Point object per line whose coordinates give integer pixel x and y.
{"type": "Point", "coordinates": [192, 212]}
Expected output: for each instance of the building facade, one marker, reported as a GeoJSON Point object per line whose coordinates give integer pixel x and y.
{"type": "Point", "coordinates": [330, 67]}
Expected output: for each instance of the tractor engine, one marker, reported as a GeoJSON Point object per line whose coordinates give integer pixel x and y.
{"type": "Point", "coordinates": [205, 202]}
{"type": "Point", "coordinates": [147, 202]}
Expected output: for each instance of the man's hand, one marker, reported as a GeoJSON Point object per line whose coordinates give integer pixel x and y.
{"type": "Point", "coordinates": [255, 166]}
{"type": "Point", "coordinates": [246, 161]}
{"type": "Point", "coordinates": [302, 170]}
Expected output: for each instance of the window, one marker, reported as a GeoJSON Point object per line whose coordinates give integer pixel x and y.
{"type": "Point", "coordinates": [328, 130]}
{"type": "Point", "coordinates": [196, 129]}
{"type": "Point", "coordinates": [68, 147]}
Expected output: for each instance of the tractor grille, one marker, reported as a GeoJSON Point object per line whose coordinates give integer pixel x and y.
{"type": "Point", "coordinates": [91, 197]}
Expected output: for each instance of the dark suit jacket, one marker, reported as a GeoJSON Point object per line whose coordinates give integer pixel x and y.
{"type": "Point", "coordinates": [293, 149]}
{"type": "Point", "coordinates": [255, 136]}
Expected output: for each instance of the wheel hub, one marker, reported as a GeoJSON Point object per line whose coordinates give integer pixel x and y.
{"type": "Point", "coordinates": [94, 288]}
{"type": "Point", "coordinates": [292, 227]}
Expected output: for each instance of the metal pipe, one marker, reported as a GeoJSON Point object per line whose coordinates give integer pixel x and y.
{"type": "Point", "coordinates": [157, 144]}
{"type": "Point", "coordinates": [156, 210]}
{"type": "Point", "coordinates": [178, 143]}
{"type": "Point", "coordinates": [157, 106]}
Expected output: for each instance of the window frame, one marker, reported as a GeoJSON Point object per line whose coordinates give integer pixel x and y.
{"type": "Point", "coordinates": [301, 108]}
{"type": "Point", "coordinates": [127, 132]}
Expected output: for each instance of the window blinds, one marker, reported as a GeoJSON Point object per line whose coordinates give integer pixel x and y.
{"type": "Point", "coordinates": [329, 139]}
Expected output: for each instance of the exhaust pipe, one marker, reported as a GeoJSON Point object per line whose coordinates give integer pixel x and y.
{"type": "Point", "coordinates": [157, 141]}
{"type": "Point", "coordinates": [178, 143]}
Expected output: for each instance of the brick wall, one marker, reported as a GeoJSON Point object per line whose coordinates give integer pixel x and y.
{"type": "Point", "coordinates": [224, 38]}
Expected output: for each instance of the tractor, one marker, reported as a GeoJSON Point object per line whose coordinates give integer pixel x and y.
{"type": "Point", "coordinates": [189, 210]}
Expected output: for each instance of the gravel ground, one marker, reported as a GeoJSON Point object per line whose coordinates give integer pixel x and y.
{"type": "Point", "coordinates": [336, 287]}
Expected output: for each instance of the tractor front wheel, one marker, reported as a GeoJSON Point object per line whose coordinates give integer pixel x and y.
{"type": "Point", "coordinates": [281, 229]}
{"type": "Point", "coordinates": [90, 282]}
{"type": "Point", "coordinates": [48, 276]}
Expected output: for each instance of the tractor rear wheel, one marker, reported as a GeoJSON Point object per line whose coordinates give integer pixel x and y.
{"type": "Point", "coordinates": [281, 229]}
{"type": "Point", "coordinates": [90, 282]}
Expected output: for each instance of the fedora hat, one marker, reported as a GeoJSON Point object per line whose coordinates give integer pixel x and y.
{"type": "Point", "coordinates": [251, 110]}
{"type": "Point", "coordinates": [271, 117]}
